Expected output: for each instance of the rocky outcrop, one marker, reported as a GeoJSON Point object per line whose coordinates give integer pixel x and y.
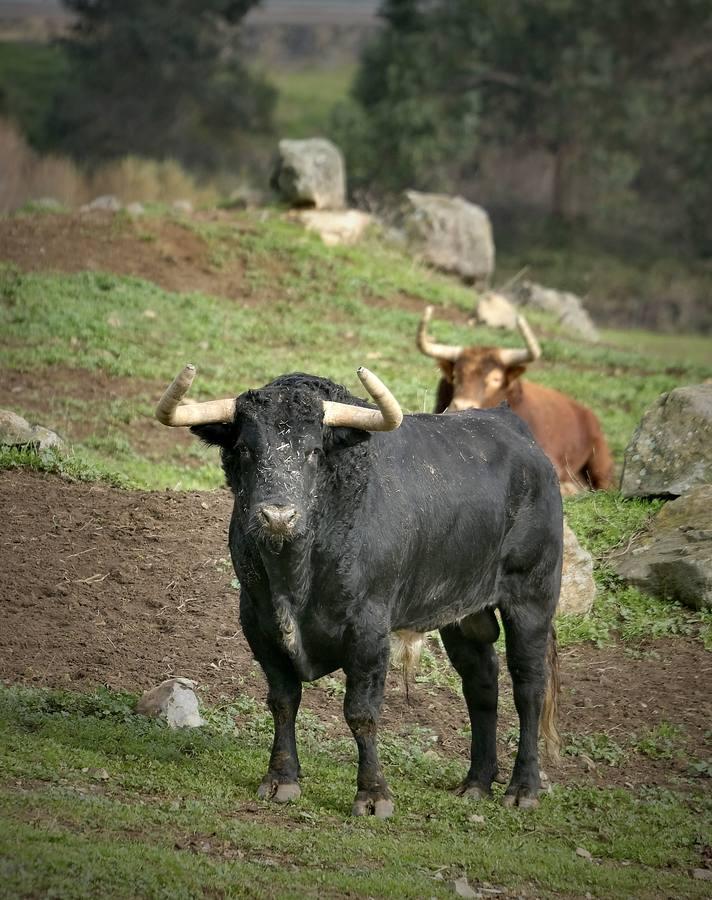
{"type": "Point", "coordinates": [310, 173]}
{"type": "Point", "coordinates": [567, 307]}
{"type": "Point", "coordinates": [671, 450]}
{"type": "Point", "coordinates": [17, 432]}
{"type": "Point", "coordinates": [578, 589]}
{"type": "Point", "coordinates": [450, 234]}
{"type": "Point", "coordinates": [672, 560]}
{"type": "Point", "coordinates": [496, 311]}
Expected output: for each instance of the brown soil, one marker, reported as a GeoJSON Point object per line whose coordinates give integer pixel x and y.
{"type": "Point", "coordinates": [163, 251]}
{"type": "Point", "coordinates": [101, 586]}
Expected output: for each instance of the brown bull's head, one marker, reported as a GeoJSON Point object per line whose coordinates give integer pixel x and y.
{"type": "Point", "coordinates": [477, 377]}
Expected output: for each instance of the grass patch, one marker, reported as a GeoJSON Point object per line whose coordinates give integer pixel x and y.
{"type": "Point", "coordinates": [71, 467]}
{"type": "Point", "coordinates": [308, 308]}
{"type": "Point", "coordinates": [177, 817]}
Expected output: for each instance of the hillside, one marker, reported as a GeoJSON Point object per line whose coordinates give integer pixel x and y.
{"type": "Point", "coordinates": [116, 576]}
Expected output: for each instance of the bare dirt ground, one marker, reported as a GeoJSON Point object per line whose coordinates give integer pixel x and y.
{"type": "Point", "coordinates": [100, 586]}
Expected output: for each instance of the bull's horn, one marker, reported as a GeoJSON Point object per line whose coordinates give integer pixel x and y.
{"type": "Point", "coordinates": [533, 351]}
{"type": "Point", "coordinates": [426, 346]}
{"type": "Point", "coordinates": [387, 417]}
{"type": "Point", "coordinates": [170, 411]}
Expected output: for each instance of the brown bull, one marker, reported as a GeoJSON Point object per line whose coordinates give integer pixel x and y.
{"type": "Point", "coordinates": [482, 377]}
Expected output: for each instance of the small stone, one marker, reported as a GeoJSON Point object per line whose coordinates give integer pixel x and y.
{"type": "Point", "coordinates": [476, 819]}
{"type": "Point", "coordinates": [463, 889]}
{"type": "Point", "coordinates": [583, 853]}
{"type": "Point", "coordinates": [97, 774]}
{"type": "Point", "coordinates": [702, 874]}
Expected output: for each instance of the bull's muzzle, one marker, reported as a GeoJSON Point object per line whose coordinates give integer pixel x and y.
{"type": "Point", "coordinates": [278, 521]}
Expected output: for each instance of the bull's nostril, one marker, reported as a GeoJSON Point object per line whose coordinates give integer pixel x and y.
{"type": "Point", "coordinates": [278, 517]}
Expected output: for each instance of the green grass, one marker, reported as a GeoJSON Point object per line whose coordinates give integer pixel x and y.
{"type": "Point", "coordinates": [177, 817]}
{"type": "Point", "coordinates": [307, 307]}
{"type": "Point", "coordinates": [307, 99]}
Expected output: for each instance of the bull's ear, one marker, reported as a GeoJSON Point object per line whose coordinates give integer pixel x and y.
{"type": "Point", "coordinates": [514, 372]}
{"type": "Point", "coordinates": [340, 438]}
{"type": "Point", "coordinates": [447, 369]}
{"type": "Point", "coordinates": [217, 433]}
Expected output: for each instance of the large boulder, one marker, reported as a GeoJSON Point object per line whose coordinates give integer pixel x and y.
{"type": "Point", "coordinates": [496, 311]}
{"type": "Point", "coordinates": [578, 589]}
{"type": "Point", "coordinates": [567, 307]}
{"type": "Point", "coordinates": [671, 450]}
{"type": "Point", "coordinates": [672, 560]}
{"type": "Point", "coordinates": [310, 173]}
{"type": "Point", "coordinates": [15, 431]}
{"type": "Point", "coordinates": [450, 234]}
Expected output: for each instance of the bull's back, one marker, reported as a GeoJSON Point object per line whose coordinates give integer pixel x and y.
{"type": "Point", "coordinates": [456, 485]}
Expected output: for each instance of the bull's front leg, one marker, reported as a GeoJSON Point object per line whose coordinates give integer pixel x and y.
{"type": "Point", "coordinates": [365, 679]}
{"type": "Point", "coordinates": [281, 783]}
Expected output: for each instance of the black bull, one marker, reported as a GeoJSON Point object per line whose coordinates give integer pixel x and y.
{"type": "Point", "coordinates": [341, 536]}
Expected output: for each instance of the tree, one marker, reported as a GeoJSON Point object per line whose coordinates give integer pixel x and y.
{"type": "Point", "coordinates": [159, 78]}
{"type": "Point", "coordinates": [584, 80]}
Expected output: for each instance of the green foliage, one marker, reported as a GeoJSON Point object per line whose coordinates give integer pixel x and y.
{"type": "Point", "coordinates": [177, 816]}
{"type": "Point", "coordinates": [159, 79]}
{"type": "Point", "coordinates": [661, 742]}
{"type": "Point", "coordinates": [447, 82]}
{"type": "Point", "coordinates": [599, 747]}
{"type": "Point", "coordinates": [29, 74]}
{"type": "Point", "coordinates": [72, 467]}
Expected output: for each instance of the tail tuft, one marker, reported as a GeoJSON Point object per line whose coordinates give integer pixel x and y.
{"type": "Point", "coordinates": [406, 647]}
{"type": "Point", "coordinates": [550, 709]}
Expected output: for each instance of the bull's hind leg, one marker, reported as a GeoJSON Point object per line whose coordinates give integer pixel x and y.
{"type": "Point", "coordinates": [527, 634]}
{"type": "Point", "coordinates": [469, 646]}
{"type": "Point", "coordinates": [365, 679]}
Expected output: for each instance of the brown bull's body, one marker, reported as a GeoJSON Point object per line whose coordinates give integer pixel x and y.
{"type": "Point", "coordinates": [483, 377]}
{"type": "Point", "coordinates": [568, 432]}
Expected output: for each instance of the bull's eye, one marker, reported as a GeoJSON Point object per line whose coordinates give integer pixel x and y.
{"type": "Point", "coordinates": [244, 452]}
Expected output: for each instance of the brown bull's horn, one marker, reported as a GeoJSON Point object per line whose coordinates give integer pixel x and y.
{"type": "Point", "coordinates": [426, 346]}
{"type": "Point", "coordinates": [387, 417]}
{"type": "Point", "coordinates": [170, 411]}
{"type": "Point", "coordinates": [533, 351]}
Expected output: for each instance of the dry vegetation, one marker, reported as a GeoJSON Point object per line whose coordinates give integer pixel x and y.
{"type": "Point", "coordinates": [29, 177]}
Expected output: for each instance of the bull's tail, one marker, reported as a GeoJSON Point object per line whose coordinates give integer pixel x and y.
{"type": "Point", "coordinates": [550, 709]}
{"type": "Point", "coordinates": [599, 466]}
{"type": "Point", "coordinates": [406, 647]}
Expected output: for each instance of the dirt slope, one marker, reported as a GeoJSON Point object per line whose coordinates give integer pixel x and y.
{"type": "Point", "coordinates": [123, 588]}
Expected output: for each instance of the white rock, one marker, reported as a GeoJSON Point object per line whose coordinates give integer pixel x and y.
{"type": "Point", "coordinates": [578, 589]}
{"type": "Point", "coordinates": [174, 700]}
{"type": "Point", "coordinates": [335, 227]}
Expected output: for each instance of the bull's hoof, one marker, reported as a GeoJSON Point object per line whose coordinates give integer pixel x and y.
{"type": "Point", "coordinates": [472, 790]}
{"type": "Point", "coordinates": [280, 792]}
{"type": "Point", "coordinates": [380, 807]}
{"type": "Point", "coordinates": [521, 797]}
